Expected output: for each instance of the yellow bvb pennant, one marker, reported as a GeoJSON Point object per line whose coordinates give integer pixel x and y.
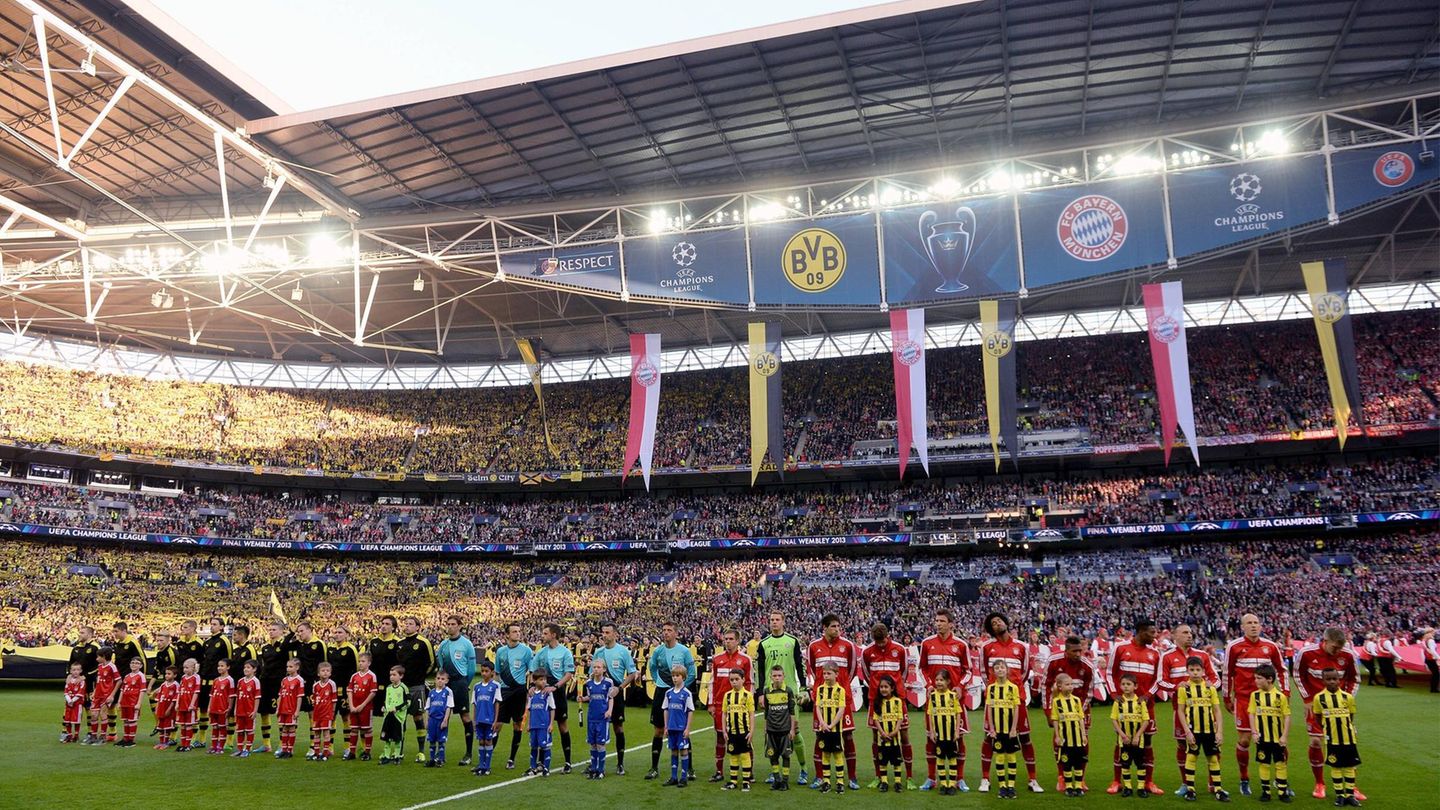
{"type": "Point", "coordinates": [767, 427]}
{"type": "Point", "coordinates": [532, 364]}
{"type": "Point", "coordinates": [1330, 306]}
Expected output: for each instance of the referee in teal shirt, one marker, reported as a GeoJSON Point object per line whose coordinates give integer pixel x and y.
{"type": "Point", "coordinates": [456, 657]}
{"type": "Point", "coordinates": [558, 664]}
{"type": "Point", "coordinates": [620, 668]}
{"type": "Point", "coordinates": [665, 657]}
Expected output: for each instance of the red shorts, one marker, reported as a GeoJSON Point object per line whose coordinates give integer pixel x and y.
{"type": "Point", "coordinates": [100, 698]}
{"type": "Point", "coordinates": [218, 718]}
{"type": "Point", "coordinates": [164, 715]}
{"type": "Point", "coordinates": [1179, 727]}
{"type": "Point", "coordinates": [1312, 722]}
{"type": "Point", "coordinates": [322, 719]}
{"type": "Point", "coordinates": [244, 722]}
{"type": "Point", "coordinates": [72, 713]}
{"type": "Point", "coordinates": [286, 718]}
{"type": "Point", "coordinates": [186, 717]}
{"type": "Point", "coordinates": [1153, 727]}
{"type": "Point", "coordinates": [361, 719]}
{"type": "Point", "coordinates": [1242, 713]}
{"type": "Point", "coordinates": [130, 713]}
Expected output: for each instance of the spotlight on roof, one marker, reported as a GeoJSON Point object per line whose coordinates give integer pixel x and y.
{"type": "Point", "coordinates": [419, 285]}
{"type": "Point", "coordinates": [297, 294]}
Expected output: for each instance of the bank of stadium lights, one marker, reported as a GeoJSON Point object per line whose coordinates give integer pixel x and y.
{"type": "Point", "coordinates": [324, 248]}
{"type": "Point", "coordinates": [1189, 157]}
{"type": "Point", "coordinates": [1270, 142]}
{"type": "Point", "coordinates": [661, 221]}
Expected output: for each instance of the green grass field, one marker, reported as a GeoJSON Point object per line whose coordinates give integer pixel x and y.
{"type": "Point", "coordinates": [1399, 731]}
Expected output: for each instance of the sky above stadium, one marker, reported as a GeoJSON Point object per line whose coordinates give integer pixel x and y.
{"type": "Point", "coordinates": [317, 53]}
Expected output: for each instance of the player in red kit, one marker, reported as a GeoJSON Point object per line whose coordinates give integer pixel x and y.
{"type": "Point", "coordinates": [1173, 673]}
{"type": "Point", "coordinates": [247, 704]}
{"type": "Point", "coordinates": [948, 653]}
{"type": "Point", "coordinates": [1329, 653]}
{"type": "Point", "coordinates": [1016, 655]}
{"type": "Point", "coordinates": [1138, 658]}
{"type": "Point", "coordinates": [132, 688]}
{"type": "Point", "coordinates": [74, 704]}
{"type": "Point", "coordinates": [167, 701]}
{"type": "Point", "coordinates": [187, 708]}
{"type": "Point", "coordinates": [885, 658]}
{"type": "Point", "coordinates": [107, 681]}
{"type": "Point", "coordinates": [1242, 656]}
{"type": "Point", "coordinates": [287, 712]}
{"type": "Point", "coordinates": [360, 697]}
{"type": "Point", "coordinates": [222, 695]}
{"type": "Point", "coordinates": [841, 653]}
{"type": "Point", "coordinates": [1070, 661]}
{"type": "Point", "coordinates": [323, 696]}
{"type": "Point", "coordinates": [728, 660]}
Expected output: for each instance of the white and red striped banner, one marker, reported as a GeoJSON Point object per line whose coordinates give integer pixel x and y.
{"type": "Point", "coordinates": [1165, 312]}
{"type": "Point", "coordinates": [644, 403]}
{"type": "Point", "coordinates": [907, 350]}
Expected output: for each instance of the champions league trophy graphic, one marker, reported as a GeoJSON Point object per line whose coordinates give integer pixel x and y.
{"type": "Point", "coordinates": [948, 245]}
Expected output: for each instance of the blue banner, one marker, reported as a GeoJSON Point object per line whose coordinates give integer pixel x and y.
{"type": "Point", "coordinates": [699, 266]}
{"type": "Point", "coordinates": [1081, 231]}
{"type": "Point", "coordinates": [950, 250]}
{"type": "Point", "coordinates": [1223, 205]}
{"type": "Point", "coordinates": [832, 261]}
{"type": "Point", "coordinates": [594, 267]}
{"type": "Point", "coordinates": [1366, 175]}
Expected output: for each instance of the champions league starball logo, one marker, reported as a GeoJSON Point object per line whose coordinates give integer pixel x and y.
{"type": "Point", "coordinates": [1394, 169]}
{"type": "Point", "coordinates": [1245, 187]}
{"type": "Point", "coordinates": [646, 373]}
{"type": "Point", "coordinates": [1165, 329]}
{"type": "Point", "coordinates": [1092, 228]}
{"type": "Point", "coordinates": [909, 352]}
{"type": "Point", "coordinates": [684, 254]}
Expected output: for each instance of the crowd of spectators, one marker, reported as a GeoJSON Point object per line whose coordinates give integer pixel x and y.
{"type": "Point", "coordinates": [1259, 378]}
{"type": "Point", "coordinates": [1275, 489]}
{"type": "Point", "coordinates": [1390, 582]}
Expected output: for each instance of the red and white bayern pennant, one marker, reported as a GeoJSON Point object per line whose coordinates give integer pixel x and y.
{"type": "Point", "coordinates": [907, 350]}
{"type": "Point", "coordinates": [644, 403]}
{"type": "Point", "coordinates": [1165, 312]}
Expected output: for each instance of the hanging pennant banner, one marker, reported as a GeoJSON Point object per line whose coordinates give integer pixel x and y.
{"type": "Point", "coordinates": [767, 424]}
{"type": "Point", "coordinates": [1165, 311]}
{"type": "Point", "coordinates": [644, 404]}
{"type": "Point", "coordinates": [997, 333]}
{"type": "Point", "coordinates": [532, 365]}
{"type": "Point", "coordinates": [907, 350]}
{"type": "Point", "coordinates": [1330, 304]}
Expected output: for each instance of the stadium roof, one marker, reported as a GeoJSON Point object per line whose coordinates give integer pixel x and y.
{"type": "Point", "coordinates": [904, 87]}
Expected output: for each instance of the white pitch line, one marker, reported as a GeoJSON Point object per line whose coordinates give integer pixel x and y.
{"type": "Point", "coordinates": [517, 780]}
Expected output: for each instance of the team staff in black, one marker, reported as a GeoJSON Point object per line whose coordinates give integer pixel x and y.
{"type": "Point", "coordinates": [417, 655]}
{"type": "Point", "coordinates": [86, 653]}
{"type": "Point", "coordinates": [165, 656]}
{"type": "Point", "coordinates": [216, 648]}
{"type": "Point", "coordinates": [273, 656]}
{"type": "Point", "coordinates": [125, 646]}
{"type": "Point", "coordinates": [242, 648]}
{"type": "Point", "coordinates": [385, 648]}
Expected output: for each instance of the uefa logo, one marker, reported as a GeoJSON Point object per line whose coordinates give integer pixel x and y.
{"type": "Point", "coordinates": [1394, 169]}
{"type": "Point", "coordinates": [909, 352]}
{"type": "Point", "coordinates": [1092, 228]}
{"type": "Point", "coordinates": [1166, 329]}
{"type": "Point", "coordinates": [548, 266]}
{"type": "Point", "coordinates": [646, 373]}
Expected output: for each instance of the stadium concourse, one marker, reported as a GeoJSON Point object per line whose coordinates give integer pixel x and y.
{"type": "Point", "coordinates": [319, 440]}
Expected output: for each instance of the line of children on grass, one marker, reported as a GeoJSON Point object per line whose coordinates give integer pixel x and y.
{"type": "Point", "coordinates": [1197, 701]}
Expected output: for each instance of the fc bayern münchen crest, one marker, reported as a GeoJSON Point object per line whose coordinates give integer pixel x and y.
{"type": "Point", "coordinates": [1165, 329]}
{"type": "Point", "coordinates": [1394, 169]}
{"type": "Point", "coordinates": [909, 352]}
{"type": "Point", "coordinates": [646, 373]}
{"type": "Point", "coordinates": [999, 343]}
{"type": "Point", "coordinates": [684, 254]}
{"type": "Point", "coordinates": [1092, 228]}
{"type": "Point", "coordinates": [1329, 307]}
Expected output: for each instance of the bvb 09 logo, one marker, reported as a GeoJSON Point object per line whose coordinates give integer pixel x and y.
{"type": "Point", "coordinates": [814, 260]}
{"type": "Point", "coordinates": [998, 343]}
{"type": "Point", "coordinates": [765, 363]}
{"type": "Point", "coordinates": [1329, 307]}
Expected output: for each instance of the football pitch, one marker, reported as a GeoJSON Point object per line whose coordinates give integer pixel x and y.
{"type": "Point", "coordinates": [1399, 734]}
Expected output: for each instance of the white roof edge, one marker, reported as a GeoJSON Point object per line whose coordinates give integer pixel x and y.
{"type": "Point", "coordinates": [894, 8]}
{"type": "Point", "coordinates": [188, 40]}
